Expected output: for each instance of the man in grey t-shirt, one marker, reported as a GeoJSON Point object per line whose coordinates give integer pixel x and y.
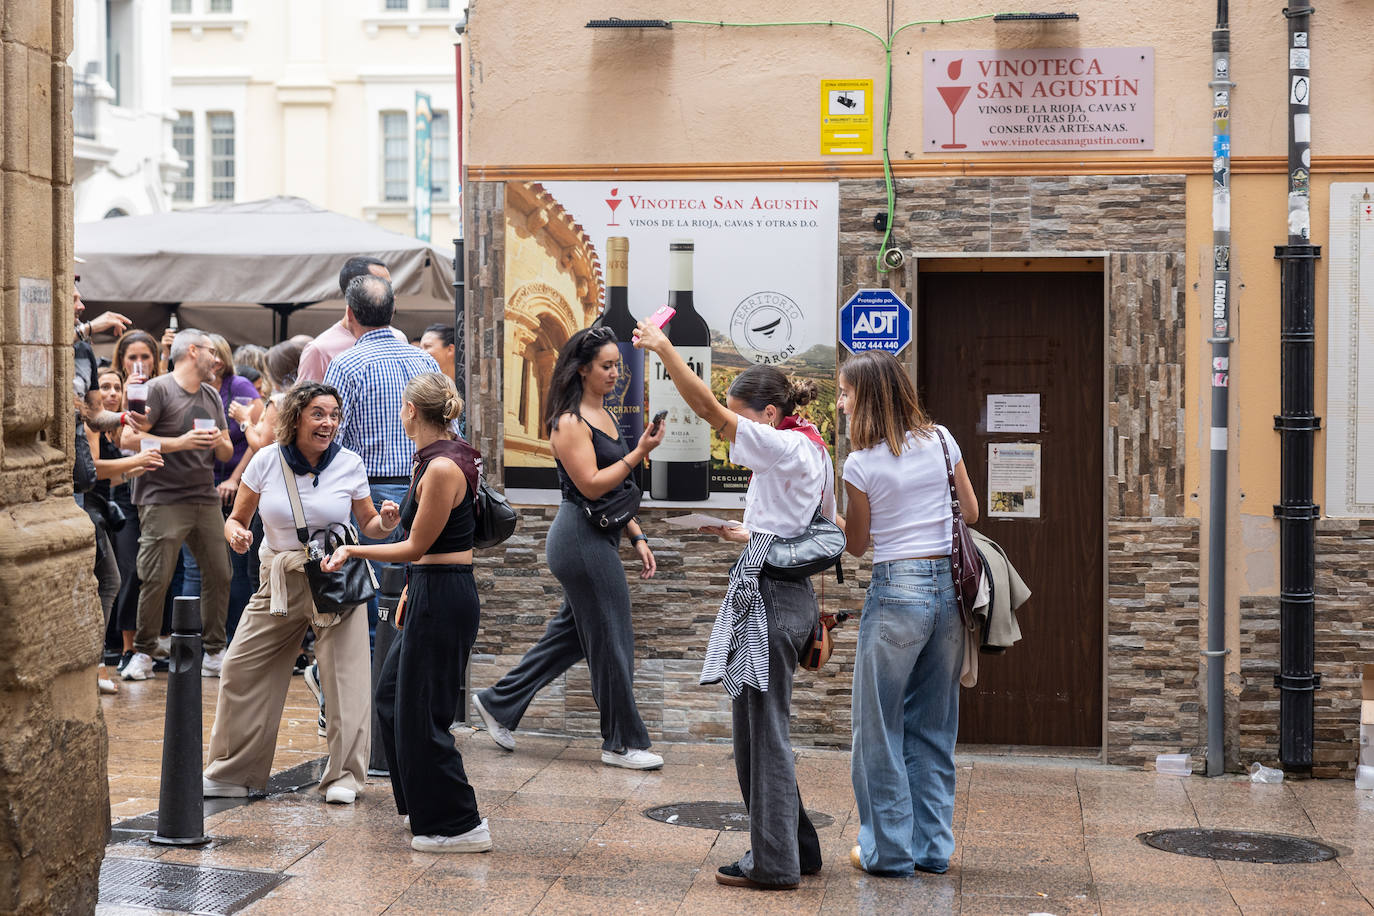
{"type": "Point", "coordinates": [178, 502]}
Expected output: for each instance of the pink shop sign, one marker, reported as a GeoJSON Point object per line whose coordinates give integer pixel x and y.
{"type": "Point", "coordinates": [1042, 99]}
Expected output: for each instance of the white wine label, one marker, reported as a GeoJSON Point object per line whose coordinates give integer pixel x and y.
{"type": "Point", "coordinates": [687, 437]}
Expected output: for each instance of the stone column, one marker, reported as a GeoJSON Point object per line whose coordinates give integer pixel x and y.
{"type": "Point", "coordinates": [54, 798]}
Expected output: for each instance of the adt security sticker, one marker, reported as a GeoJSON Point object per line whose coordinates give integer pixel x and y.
{"type": "Point", "coordinates": [875, 319]}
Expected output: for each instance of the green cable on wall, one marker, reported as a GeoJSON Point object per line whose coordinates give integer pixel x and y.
{"type": "Point", "coordinates": [887, 93]}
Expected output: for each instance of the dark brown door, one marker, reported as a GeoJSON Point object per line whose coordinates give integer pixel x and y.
{"type": "Point", "coordinates": [981, 334]}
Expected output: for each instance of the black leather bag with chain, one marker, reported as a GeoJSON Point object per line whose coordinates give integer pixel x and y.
{"type": "Point", "coordinates": [345, 588]}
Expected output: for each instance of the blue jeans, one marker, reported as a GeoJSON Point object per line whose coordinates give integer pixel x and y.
{"type": "Point", "coordinates": [906, 717]}
{"type": "Point", "coordinates": [380, 491]}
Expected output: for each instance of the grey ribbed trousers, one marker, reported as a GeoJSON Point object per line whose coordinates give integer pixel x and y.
{"type": "Point", "coordinates": [592, 623]}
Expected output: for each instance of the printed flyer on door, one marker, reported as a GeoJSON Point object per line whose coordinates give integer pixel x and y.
{"type": "Point", "coordinates": [759, 259]}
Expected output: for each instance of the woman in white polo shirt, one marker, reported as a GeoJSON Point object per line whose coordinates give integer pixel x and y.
{"type": "Point", "coordinates": [764, 625]}
{"type": "Point", "coordinates": [332, 484]}
{"type": "Point", "coordinates": [911, 641]}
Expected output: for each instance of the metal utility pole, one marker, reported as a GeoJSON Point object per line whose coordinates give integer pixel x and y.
{"type": "Point", "coordinates": [1215, 654]}
{"type": "Point", "coordinates": [1297, 424]}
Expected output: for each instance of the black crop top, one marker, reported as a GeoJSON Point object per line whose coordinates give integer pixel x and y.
{"type": "Point", "coordinates": [608, 451]}
{"type": "Point", "coordinates": [457, 532]}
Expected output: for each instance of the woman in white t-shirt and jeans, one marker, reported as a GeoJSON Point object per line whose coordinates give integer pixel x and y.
{"type": "Point", "coordinates": [764, 625]}
{"type": "Point", "coordinates": [332, 483]}
{"type": "Point", "coordinates": [911, 640]}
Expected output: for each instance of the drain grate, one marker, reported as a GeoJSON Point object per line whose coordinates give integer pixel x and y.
{"type": "Point", "coordinates": [710, 815]}
{"type": "Point", "coordinates": [1240, 846]}
{"type": "Point", "coordinates": [182, 888]}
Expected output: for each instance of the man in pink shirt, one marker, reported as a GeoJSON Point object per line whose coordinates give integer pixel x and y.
{"type": "Point", "coordinates": [320, 352]}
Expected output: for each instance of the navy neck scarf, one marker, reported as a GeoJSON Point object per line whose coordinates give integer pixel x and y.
{"type": "Point", "coordinates": [296, 461]}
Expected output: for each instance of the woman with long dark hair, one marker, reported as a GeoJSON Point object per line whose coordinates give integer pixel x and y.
{"type": "Point", "coordinates": [911, 640]}
{"type": "Point", "coordinates": [765, 623]}
{"type": "Point", "coordinates": [594, 621]}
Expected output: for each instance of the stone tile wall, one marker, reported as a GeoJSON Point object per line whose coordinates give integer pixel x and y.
{"type": "Point", "coordinates": [1139, 222]}
{"type": "Point", "coordinates": [1344, 645]}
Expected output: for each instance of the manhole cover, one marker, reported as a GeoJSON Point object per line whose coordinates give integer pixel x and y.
{"type": "Point", "coordinates": [183, 888]}
{"type": "Point", "coordinates": [711, 815]}
{"type": "Point", "coordinates": [1240, 846]}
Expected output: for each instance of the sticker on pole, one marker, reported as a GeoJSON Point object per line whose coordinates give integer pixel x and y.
{"type": "Point", "coordinates": [875, 319]}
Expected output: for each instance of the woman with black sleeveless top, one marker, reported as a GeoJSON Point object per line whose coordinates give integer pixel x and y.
{"type": "Point", "coordinates": [594, 621]}
{"type": "Point", "coordinates": [423, 673]}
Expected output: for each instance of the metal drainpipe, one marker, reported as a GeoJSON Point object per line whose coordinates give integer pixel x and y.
{"type": "Point", "coordinates": [1297, 424]}
{"type": "Point", "coordinates": [1215, 654]}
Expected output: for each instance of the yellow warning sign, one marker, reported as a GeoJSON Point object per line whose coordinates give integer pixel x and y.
{"type": "Point", "coordinates": [847, 117]}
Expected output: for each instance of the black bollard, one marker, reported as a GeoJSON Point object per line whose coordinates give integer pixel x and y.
{"type": "Point", "coordinates": [393, 580]}
{"type": "Point", "coordinates": [180, 808]}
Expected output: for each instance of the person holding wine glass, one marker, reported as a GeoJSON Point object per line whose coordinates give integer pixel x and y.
{"type": "Point", "coordinates": [593, 622]}
{"type": "Point", "coordinates": [764, 625]}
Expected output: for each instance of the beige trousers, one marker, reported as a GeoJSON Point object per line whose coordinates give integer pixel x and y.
{"type": "Point", "coordinates": [257, 673]}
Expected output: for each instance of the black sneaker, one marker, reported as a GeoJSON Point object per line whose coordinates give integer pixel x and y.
{"type": "Point", "coordinates": [124, 660]}
{"type": "Point", "coordinates": [302, 662]}
{"type": "Point", "coordinates": [162, 664]}
{"type": "Point", "coordinates": [732, 876]}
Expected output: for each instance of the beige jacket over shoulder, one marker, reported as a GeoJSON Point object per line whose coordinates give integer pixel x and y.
{"type": "Point", "coordinates": [1009, 592]}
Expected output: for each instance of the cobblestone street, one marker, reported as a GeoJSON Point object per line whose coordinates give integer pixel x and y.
{"type": "Point", "coordinates": [1035, 835]}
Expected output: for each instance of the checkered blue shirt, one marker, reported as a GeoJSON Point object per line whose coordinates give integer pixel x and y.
{"type": "Point", "coordinates": [372, 376]}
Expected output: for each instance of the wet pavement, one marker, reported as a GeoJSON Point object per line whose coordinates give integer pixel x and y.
{"type": "Point", "coordinates": [1035, 835]}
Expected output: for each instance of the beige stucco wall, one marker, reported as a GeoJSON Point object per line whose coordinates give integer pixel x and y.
{"type": "Point", "coordinates": [306, 80]}
{"type": "Point", "coordinates": [553, 92]}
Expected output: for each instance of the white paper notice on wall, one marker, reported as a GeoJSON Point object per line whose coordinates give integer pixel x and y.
{"type": "Point", "coordinates": [1014, 479]}
{"type": "Point", "coordinates": [1349, 415]}
{"type": "Point", "coordinates": [35, 311]}
{"type": "Point", "coordinates": [1013, 413]}
{"type": "Point", "coordinates": [35, 367]}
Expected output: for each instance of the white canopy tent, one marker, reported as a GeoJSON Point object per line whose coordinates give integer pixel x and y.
{"type": "Point", "coordinates": [250, 270]}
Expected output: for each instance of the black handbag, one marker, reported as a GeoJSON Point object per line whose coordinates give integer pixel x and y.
{"type": "Point", "coordinates": [816, 549]}
{"type": "Point", "coordinates": [615, 509]}
{"type": "Point", "coordinates": [345, 588]}
{"type": "Point", "coordinates": [496, 518]}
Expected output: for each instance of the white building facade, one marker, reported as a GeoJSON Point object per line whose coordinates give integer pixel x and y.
{"type": "Point", "coordinates": [315, 99]}
{"type": "Point", "coordinates": [122, 118]}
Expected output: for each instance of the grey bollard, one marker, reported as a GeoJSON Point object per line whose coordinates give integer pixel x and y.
{"type": "Point", "coordinates": [180, 807]}
{"type": "Point", "coordinates": [393, 580]}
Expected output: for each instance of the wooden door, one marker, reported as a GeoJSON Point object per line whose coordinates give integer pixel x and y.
{"type": "Point", "coordinates": [981, 334]}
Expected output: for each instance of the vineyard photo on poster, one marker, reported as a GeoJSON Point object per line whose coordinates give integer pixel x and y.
{"type": "Point", "coordinates": [750, 268]}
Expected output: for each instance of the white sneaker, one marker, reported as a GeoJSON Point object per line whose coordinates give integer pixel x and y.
{"type": "Point", "coordinates": [406, 823]}
{"type": "Point", "coordinates": [340, 795]}
{"type": "Point", "coordinates": [499, 733]}
{"type": "Point", "coordinates": [478, 839]}
{"type": "Point", "coordinates": [106, 686]}
{"type": "Point", "coordinates": [635, 758]}
{"type": "Point", "coordinates": [213, 788]}
{"type": "Point", "coordinates": [312, 680]}
{"type": "Point", "coordinates": [210, 665]}
{"type": "Point", "coordinates": [140, 667]}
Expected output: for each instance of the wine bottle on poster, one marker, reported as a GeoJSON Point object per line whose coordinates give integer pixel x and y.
{"type": "Point", "coordinates": [680, 468]}
{"type": "Point", "coordinates": [626, 401]}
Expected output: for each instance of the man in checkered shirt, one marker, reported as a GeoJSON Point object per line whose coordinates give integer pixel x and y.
{"type": "Point", "coordinates": [371, 377]}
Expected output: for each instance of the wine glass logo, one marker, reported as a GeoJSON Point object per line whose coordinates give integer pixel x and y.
{"type": "Point", "coordinates": [954, 97]}
{"type": "Point", "coordinates": [613, 201]}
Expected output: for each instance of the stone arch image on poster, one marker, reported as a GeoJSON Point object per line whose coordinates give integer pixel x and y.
{"type": "Point", "coordinates": [764, 280]}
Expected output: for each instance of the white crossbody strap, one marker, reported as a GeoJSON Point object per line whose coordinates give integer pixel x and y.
{"type": "Point", "coordinates": [297, 510]}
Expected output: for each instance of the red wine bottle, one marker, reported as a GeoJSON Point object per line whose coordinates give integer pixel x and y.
{"type": "Point", "coordinates": [680, 468]}
{"type": "Point", "coordinates": [626, 402]}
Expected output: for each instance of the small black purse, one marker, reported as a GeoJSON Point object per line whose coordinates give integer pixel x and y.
{"type": "Point", "coordinates": [496, 518]}
{"type": "Point", "coordinates": [815, 550]}
{"type": "Point", "coordinates": [345, 588]}
{"type": "Point", "coordinates": [614, 510]}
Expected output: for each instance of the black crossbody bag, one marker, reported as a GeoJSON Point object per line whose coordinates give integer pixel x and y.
{"type": "Point", "coordinates": [345, 588]}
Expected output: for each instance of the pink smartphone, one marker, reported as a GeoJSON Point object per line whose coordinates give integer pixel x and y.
{"type": "Point", "coordinates": [664, 315]}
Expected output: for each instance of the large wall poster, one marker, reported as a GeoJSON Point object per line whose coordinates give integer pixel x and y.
{"type": "Point", "coordinates": [764, 278]}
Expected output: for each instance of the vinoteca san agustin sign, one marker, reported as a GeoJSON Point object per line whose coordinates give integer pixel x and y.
{"type": "Point", "coordinates": [1039, 99]}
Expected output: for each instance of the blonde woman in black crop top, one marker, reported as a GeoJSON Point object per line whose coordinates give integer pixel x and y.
{"type": "Point", "coordinates": [423, 672]}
